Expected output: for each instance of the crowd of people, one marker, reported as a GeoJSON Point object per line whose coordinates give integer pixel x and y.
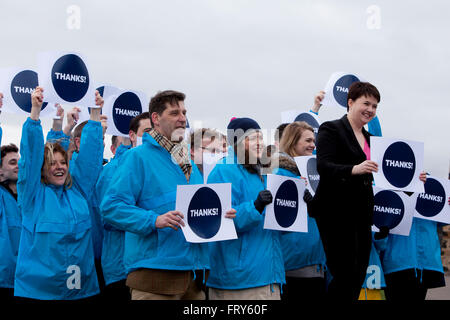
{"type": "Point", "coordinates": [72, 227]}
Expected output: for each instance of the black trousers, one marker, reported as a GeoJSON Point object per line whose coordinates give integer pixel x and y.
{"type": "Point", "coordinates": [6, 295]}
{"type": "Point", "coordinates": [347, 243]}
{"type": "Point", "coordinates": [301, 289]}
{"type": "Point", "coordinates": [117, 291]}
{"type": "Point", "coordinates": [411, 285]}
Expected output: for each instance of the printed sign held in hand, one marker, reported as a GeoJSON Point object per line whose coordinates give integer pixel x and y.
{"type": "Point", "coordinates": [204, 207]}
{"type": "Point", "coordinates": [287, 212]}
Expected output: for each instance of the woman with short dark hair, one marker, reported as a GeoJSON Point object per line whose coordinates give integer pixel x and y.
{"type": "Point", "coordinates": [343, 203]}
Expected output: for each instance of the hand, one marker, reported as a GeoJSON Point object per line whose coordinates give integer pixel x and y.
{"type": "Point", "coordinates": [95, 112]}
{"type": "Point", "coordinates": [231, 214]}
{"type": "Point", "coordinates": [423, 176]}
{"type": "Point", "coordinates": [37, 99]}
{"type": "Point", "coordinates": [59, 111]}
{"type": "Point", "coordinates": [318, 101]}
{"type": "Point", "coordinates": [307, 196]}
{"type": "Point", "coordinates": [383, 233]}
{"type": "Point", "coordinates": [367, 166]}
{"type": "Point", "coordinates": [264, 198]}
{"type": "Point", "coordinates": [57, 123]}
{"type": "Point", "coordinates": [73, 116]}
{"type": "Point", "coordinates": [172, 219]}
{"type": "Point", "coordinates": [72, 119]}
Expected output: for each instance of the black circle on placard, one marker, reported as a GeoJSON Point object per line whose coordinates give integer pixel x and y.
{"type": "Point", "coordinates": [399, 164]}
{"type": "Point", "coordinates": [70, 78]}
{"type": "Point", "coordinates": [340, 88]}
{"type": "Point", "coordinates": [205, 213]}
{"type": "Point", "coordinates": [309, 119]}
{"type": "Point", "coordinates": [313, 175]}
{"type": "Point", "coordinates": [432, 201]}
{"type": "Point", "coordinates": [126, 107]}
{"type": "Point", "coordinates": [388, 209]}
{"type": "Point", "coordinates": [286, 204]}
{"type": "Point", "coordinates": [22, 85]}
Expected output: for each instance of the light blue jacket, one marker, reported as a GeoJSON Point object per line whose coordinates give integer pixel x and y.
{"type": "Point", "coordinates": [420, 250]}
{"type": "Point", "coordinates": [301, 249]}
{"type": "Point", "coordinates": [144, 187]}
{"type": "Point", "coordinates": [113, 238]}
{"type": "Point", "coordinates": [94, 211]}
{"type": "Point", "coordinates": [56, 244]}
{"type": "Point", "coordinates": [60, 137]}
{"type": "Point", "coordinates": [10, 228]}
{"type": "Point", "coordinates": [254, 259]}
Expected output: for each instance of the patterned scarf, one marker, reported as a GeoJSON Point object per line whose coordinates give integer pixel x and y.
{"type": "Point", "coordinates": [178, 151]}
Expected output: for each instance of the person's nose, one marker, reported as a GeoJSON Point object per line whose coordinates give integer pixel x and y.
{"type": "Point", "coordinates": [182, 118]}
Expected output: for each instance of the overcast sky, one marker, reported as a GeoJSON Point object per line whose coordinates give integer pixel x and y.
{"type": "Point", "coordinates": [252, 58]}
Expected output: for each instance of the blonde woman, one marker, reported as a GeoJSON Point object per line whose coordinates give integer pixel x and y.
{"type": "Point", "coordinates": [304, 257]}
{"type": "Point", "coordinates": [56, 257]}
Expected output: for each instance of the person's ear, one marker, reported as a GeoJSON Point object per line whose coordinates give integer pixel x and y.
{"type": "Point", "coordinates": [133, 137]}
{"type": "Point", "coordinates": [155, 119]}
{"type": "Point", "coordinates": [350, 103]}
{"type": "Point", "coordinates": [76, 141]}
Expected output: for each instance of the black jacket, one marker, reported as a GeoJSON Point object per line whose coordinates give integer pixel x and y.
{"type": "Point", "coordinates": [339, 192]}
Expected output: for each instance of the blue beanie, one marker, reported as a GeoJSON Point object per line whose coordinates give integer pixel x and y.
{"type": "Point", "coordinates": [238, 127]}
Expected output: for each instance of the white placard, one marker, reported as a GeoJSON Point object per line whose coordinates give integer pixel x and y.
{"type": "Point", "coordinates": [336, 89]}
{"type": "Point", "coordinates": [209, 162]}
{"type": "Point", "coordinates": [121, 107]}
{"type": "Point", "coordinates": [433, 203]}
{"type": "Point", "coordinates": [204, 207]}
{"type": "Point", "coordinates": [400, 163]}
{"type": "Point", "coordinates": [66, 78]}
{"type": "Point", "coordinates": [307, 165]}
{"type": "Point", "coordinates": [393, 209]}
{"type": "Point", "coordinates": [107, 91]}
{"type": "Point", "coordinates": [17, 84]}
{"type": "Point", "coordinates": [297, 115]}
{"type": "Point", "coordinates": [287, 212]}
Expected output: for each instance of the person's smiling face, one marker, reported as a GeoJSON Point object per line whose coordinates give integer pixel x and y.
{"type": "Point", "coordinates": [363, 109]}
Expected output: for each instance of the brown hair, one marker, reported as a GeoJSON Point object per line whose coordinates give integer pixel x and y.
{"type": "Point", "coordinates": [7, 149]}
{"type": "Point", "coordinates": [135, 122]}
{"type": "Point", "coordinates": [358, 89]}
{"type": "Point", "coordinates": [291, 134]}
{"type": "Point", "coordinates": [49, 150]}
{"type": "Point", "coordinates": [158, 102]}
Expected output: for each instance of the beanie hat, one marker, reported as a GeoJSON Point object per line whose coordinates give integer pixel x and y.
{"type": "Point", "coordinates": [238, 127]}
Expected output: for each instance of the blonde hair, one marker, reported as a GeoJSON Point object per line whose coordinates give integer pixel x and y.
{"type": "Point", "coordinates": [49, 150]}
{"type": "Point", "coordinates": [291, 135]}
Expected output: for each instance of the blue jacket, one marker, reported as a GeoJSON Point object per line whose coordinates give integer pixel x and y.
{"type": "Point", "coordinates": [113, 238]}
{"type": "Point", "coordinates": [144, 187]}
{"type": "Point", "coordinates": [59, 136]}
{"type": "Point", "coordinates": [55, 248]}
{"type": "Point", "coordinates": [301, 249]}
{"type": "Point", "coordinates": [255, 258]}
{"type": "Point", "coordinates": [94, 211]}
{"type": "Point", "coordinates": [93, 203]}
{"type": "Point", "coordinates": [420, 250]}
{"type": "Point", "coordinates": [10, 228]}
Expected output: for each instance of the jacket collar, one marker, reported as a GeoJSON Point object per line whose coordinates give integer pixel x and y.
{"type": "Point", "coordinates": [351, 136]}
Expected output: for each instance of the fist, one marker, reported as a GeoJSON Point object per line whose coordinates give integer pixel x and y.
{"type": "Point", "coordinates": [37, 98]}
